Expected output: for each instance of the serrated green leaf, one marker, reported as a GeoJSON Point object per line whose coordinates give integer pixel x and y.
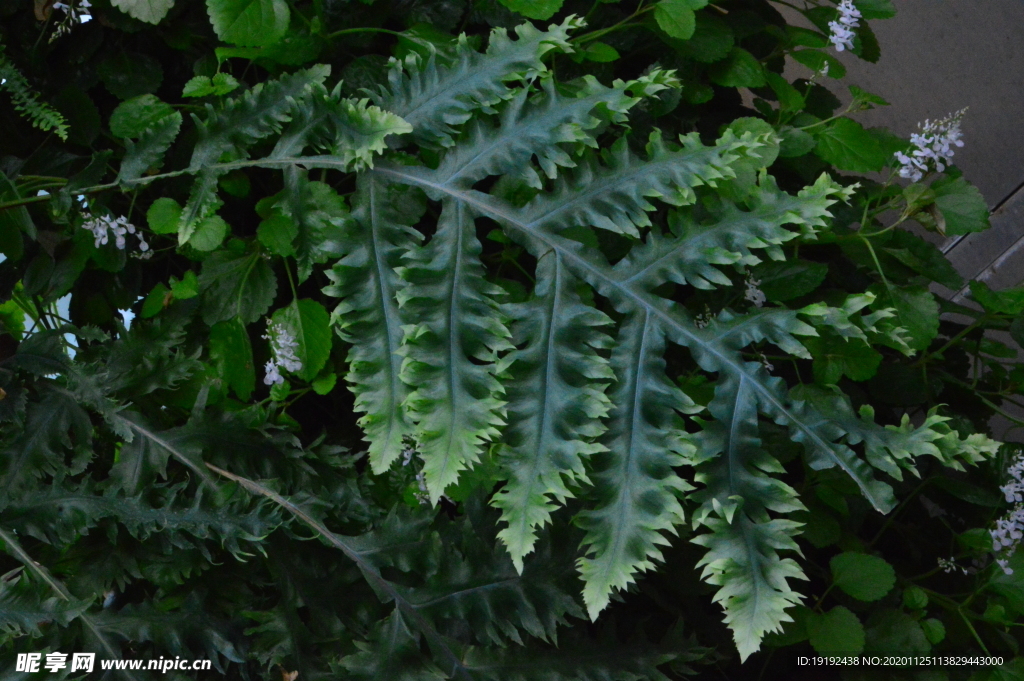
{"type": "Point", "coordinates": [534, 9]}
{"type": "Point", "coordinates": [163, 215]}
{"type": "Point", "coordinates": [149, 150]}
{"type": "Point", "coordinates": [836, 357]}
{"type": "Point", "coordinates": [600, 52]}
{"type": "Point", "coordinates": [132, 117]}
{"type": "Point", "coordinates": [277, 233]}
{"type": "Point", "coordinates": [150, 11]}
{"type": "Point", "coordinates": [934, 630]}
{"type": "Point", "coordinates": [917, 312]}
{"type": "Point", "coordinates": [324, 384]}
{"type": "Point", "coordinates": [249, 23]}
{"type": "Point", "coordinates": [209, 233]}
{"type": "Point", "coordinates": [865, 577]}
{"type": "Point", "coordinates": [676, 17]}
{"type": "Point", "coordinates": [848, 146]}
{"type": "Point", "coordinates": [739, 69]}
{"type": "Point", "coordinates": [962, 206]}
{"type": "Point", "coordinates": [236, 282]}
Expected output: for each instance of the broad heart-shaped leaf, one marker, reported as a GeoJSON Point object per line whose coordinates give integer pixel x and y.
{"type": "Point", "coordinates": [848, 146]}
{"type": "Point", "coordinates": [865, 577]}
{"type": "Point", "coordinates": [236, 282]}
{"type": "Point", "coordinates": [439, 92]}
{"type": "Point", "coordinates": [150, 11]}
{"type": "Point", "coordinates": [961, 205]}
{"type": "Point", "coordinates": [249, 23]}
{"type": "Point", "coordinates": [534, 9]}
{"type": "Point", "coordinates": [635, 490]}
{"type": "Point", "coordinates": [556, 403]}
{"type": "Point", "coordinates": [452, 349]}
{"type": "Point", "coordinates": [739, 69]}
{"type": "Point", "coordinates": [231, 352]}
{"type": "Point", "coordinates": [309, 322]}
{"type": "Point", "coordinates": [368, 316]}
{"type": "Point", "coordinates": [836, 632]}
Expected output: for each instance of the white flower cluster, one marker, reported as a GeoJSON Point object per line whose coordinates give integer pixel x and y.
{"type": "Point", "coordinates": [932, 146]}
{"type": "Point", "coordinates": [102, 226]}
{"type": "Point", "coordinates": [1010, 528]}
{"type": "Point", "coordinates": [842, 28]}
{"type": "Point", "coordinates": [74, 13]}
{"type": "Point", "coordinates": [283, 345]}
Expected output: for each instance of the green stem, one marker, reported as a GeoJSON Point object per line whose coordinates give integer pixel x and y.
{"type": "Point", "coordinates": [896, 511]}
{"type": "Point", "coordinates": [963, 332]}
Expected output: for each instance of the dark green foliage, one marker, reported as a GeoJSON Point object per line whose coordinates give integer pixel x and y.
{"type": "Point", "coordinates": [554, 330]}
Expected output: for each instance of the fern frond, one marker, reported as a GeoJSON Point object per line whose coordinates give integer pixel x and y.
{"type": "Point", "coordinates": [351, 130]}
{"type": "Point", "coordinates": [26, 603]}
{"type": "Point", "coordinates": [727, 235]}
{"type": "Point", "coordinates": [53, 425]}
{"type": "Point", "coordinates": [368, 316]}
{"type": "Point", "coordinates": [534, 126]}
{"type": "Point", "coordinates": [150, 148]}
{"type": "Point", "coordinates": [636, 491]}
{"type": "Point", "coordinates": [739, 491]}
{"type": "Point", "coordinates": [610, 190]}
{"type": "Point", "coordinates": [26, 100]}
{"type": "Point", "coordinates": [556, 403]}
{"type": "Point", "coordinates": [437, 93]}
{"type": "Point", "coordinates": [457, 404]}
{"type": "Point", "coordinates": [60, 515]}
{"type": "Point", "coordinates": [253, 116]}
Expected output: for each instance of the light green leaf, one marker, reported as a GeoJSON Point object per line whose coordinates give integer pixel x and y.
{"type": "Point", "coordinates": [961, 205]}
{"type": "Point", "coordinates": [204, 86]}
{"type": "Point", "coordinates": [795, 142]}
{"type": "Point", "coordinates": [739, 69]}
{"type": "Point", "coordinates": [249, 23]}
{"type": "Point", "coordinates": [865, 577]}
{"type": "Point", "coordinates": [816, 60]}
{"type": "Point", "coordinates": [875, 9]}
{"type": "Point", "coordinates": [848, 146]}
{"type": "Point", "coordinates": [600, 52]}
{"type": "Point", "coordinates": [209, 234]}
{"type": "Point", "coordinates": [934, 630]}
{"type": "Point", "coordinates": [133, 116]}
{"type": "Point", "coordinates": [915, 598]}
{"type": "Point", "coordinates": [676, 17]}
{"type": "Point", "coordinates": [534, 9]}
{"type": "Point", "coordinates": [187, 288]}
{"type": "Point", "coordinates": [324, 384]}
{"type": "Point", "coordinates": [150, 11]}
{"type": "Point", "coordinates": [1008, 301]}
{"type": "Point", "coordinates": [231, 354]}
{"type": "Point", "coordinates": [711, 41]}
{"type": "Point", "coordinates": [310, 323]}
{"type": "Point", "coordinates": [155, 301]}
{"type": "Point", "coordinates": [163, 215]}
{"type": "Point", "coordinates": [277, 233]}
{"type": "Point", "coordinates": [837, 632]}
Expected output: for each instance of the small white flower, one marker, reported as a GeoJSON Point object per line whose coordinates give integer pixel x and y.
{"type": "Point", "coordinates": [842, 29]}
{"type": "Point", "coordinates": [1009, 530]}
{"type": "Point", "coordinates": [102, 226]}
{"type": "Point", "coordinates": [933, 147]}
{"type": "Point", "coordinates": [283, 346]}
